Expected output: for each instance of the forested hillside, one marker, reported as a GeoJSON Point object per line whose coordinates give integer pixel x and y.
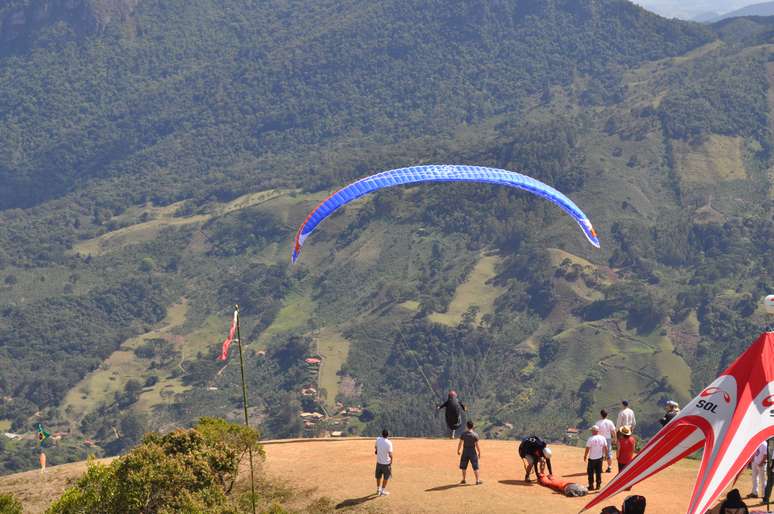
{"type": "Point", "coordinates": [156, 158]}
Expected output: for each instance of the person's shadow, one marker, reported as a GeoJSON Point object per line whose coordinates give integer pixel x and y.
{"type": "Point", "coordinates": [444, 487]}
{"type": "Point", "coordinates": [353, 502]}
{"type": "Point", "coordinates": [516, 482]}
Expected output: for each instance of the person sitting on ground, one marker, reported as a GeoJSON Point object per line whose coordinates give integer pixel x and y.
{"type": "Point", "coordinates": [384, 459]}
{"type": "Point", "coordinates": [627, 445]}
{"type": "Point", "coordinates": [672, 410]}
{"type": "Point", "coordinates": [626, 416]}
{"type": "Point", "coordinates": [536, 453]}
{"type": "Point", "coordinates": [733, 504]}
{"type": "Point", "coordinates": [454, 409]}
{"type": "Point", "coordinates": [470, 452]}
{"type": "Point", "coordinates": [596, 449]}
{"type": "Point", "coordinates": [607, 430]}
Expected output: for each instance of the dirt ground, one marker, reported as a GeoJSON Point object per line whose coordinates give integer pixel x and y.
{"type": "Point", "coordinates": [426, 478]}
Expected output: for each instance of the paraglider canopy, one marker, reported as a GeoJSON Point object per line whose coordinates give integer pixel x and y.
{"type": "Point", "coordinates": [439, 173]}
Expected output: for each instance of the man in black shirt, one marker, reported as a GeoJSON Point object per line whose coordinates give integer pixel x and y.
{"type": "Point", "coordinates": [454, 409]}
{"type": "Point", "coordinates": [470, 451]}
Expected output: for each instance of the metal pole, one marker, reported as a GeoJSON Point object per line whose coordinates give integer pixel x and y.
{"type": "Point", "coordinates": [244, 405]}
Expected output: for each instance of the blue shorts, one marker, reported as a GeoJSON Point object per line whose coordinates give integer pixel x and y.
{"type": "Point", "coordinates": [469, 456]}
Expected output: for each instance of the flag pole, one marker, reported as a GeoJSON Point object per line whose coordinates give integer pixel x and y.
{"type": "Point", "coordinates": [244, 405]}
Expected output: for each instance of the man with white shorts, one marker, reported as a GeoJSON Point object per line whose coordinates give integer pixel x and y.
{"type": "Point", "coordinates": [607, 430]}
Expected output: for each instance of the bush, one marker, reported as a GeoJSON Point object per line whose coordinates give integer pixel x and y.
{"type": "Point", "coordinates": [184, 471]}
{"type": "Point", "coordinates": [10, 505]}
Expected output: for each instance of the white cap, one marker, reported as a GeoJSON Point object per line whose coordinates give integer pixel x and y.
{"type": "Point", "coordinates": [595, 428]}
{"type": "Point", "coordinates": [768, 304]}
{"type": "Point", "coordinates": [547, 452]}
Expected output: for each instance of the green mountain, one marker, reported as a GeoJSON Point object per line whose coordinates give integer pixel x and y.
{"type": "Point", "coordinates": [156, 158]}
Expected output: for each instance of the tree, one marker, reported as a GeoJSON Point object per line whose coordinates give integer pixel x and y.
{"type": "Point", "coordinates": [183, 471]}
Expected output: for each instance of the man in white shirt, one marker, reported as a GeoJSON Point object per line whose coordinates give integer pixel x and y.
{"type": "Point", "coordinates": [383, 451]}
{"type": "Point", "coordinates": [607, 430]}
{"type": "Point", "coordinates": [758, 464]}
{"type": "Point", "coordinates": [626, 416]}
{"type": "Point", "coordinates": [596, 449]}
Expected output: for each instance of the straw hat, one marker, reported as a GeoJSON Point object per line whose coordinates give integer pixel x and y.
{"type": "Point", "coordinates": [626, 430]}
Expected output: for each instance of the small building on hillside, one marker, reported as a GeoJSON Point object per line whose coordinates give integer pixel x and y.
{"type": "Point", "coordinates": [571, 434]}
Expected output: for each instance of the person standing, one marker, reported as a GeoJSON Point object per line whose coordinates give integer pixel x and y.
{"type": "Point", "coordinates": [626, 416]}
{"type": "Point", "coordinates": [470, 452]}
{"type": "Point", "coordinates": [769, 472]}
{"type": "Point", "coordinates": [607, 430]}
{"type": "Point", "coordinates": [672, 410]}
{"type": "Point", "coordinates": [454, 409]}
{"type": "Point", "coordinates": [627, 445]}
{"type": "Point", "coordinates": [758, 464]}
{"type": "Point", "coordinates": [596, 449]}
{"type": "Point", "coordinates": [384, 459]}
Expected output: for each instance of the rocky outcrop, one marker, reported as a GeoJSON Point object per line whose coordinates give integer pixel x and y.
{"type": "Point", "coordinates": [85, 16]}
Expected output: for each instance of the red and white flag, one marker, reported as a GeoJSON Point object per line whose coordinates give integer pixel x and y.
{"type": "Point", "coordinates": [230, 339]}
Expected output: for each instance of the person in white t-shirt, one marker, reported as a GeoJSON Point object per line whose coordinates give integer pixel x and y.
{"type": "Point", "coordinates": [383, 451]}
{"type": "Point", "coordinates": [607, 430]}
{"type": "Point", "coordinates": [596, 449]}
{"type": "Point", "coordinates": [758, 465]}
{"type": "Point", "coordinates": [626, 416]}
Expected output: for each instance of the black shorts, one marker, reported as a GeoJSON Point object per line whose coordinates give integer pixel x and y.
{"type": "Point", "coordinates": [383, 470]}
{"type": "Point", "coordinates": [469, 456]}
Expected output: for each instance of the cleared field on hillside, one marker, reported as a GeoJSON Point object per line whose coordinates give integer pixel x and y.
{"type": "Point", "coordinates": [474, 291]}
{"type": "Point", "coordinates": [102, 384]}
{"type": "Point", "coordinates": [334, 349]}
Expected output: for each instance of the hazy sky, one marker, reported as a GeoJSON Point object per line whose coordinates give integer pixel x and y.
{"type": "Point", "coordinates": [688, 9]}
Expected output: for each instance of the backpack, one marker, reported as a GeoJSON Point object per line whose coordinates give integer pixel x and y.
{"type": "Point", "coordinates": [610, 510]}
{"type": "Point", "coordinates": [575, 490]}
{"type": "Point", "coordinates": [634, 504]}
{"type": "Point", "coordinates": [530, 444]}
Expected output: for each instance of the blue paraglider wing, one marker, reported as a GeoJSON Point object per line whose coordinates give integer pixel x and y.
{"type": "Point", "coordinates": [439, 173]}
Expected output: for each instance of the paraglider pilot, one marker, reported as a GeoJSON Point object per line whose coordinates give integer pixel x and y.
{"type": "Point", "coordinates": [454, 409]}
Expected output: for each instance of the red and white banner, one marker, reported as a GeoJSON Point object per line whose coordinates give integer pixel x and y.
{"type": "Point", "coordinates": [224, 351]}
{"type": "Point", "coordinates": [729, 419]}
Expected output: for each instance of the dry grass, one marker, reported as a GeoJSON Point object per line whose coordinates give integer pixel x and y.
{"type": "Point", "coordinates": [474, 291]}
{"type": "Point", "coordinates": [717, 159]}
{"type": "Point", "coordinates": [334, 349]}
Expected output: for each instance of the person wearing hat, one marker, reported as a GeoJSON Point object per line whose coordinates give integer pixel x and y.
{"type": "Point", "coordinates": [672, 410]}
{"type": "Point", "coordinates": [626, 416]}
{"type": "Point", "coordinates": [627, 445]}
{"type": "Point", "coordinates": [594, 455]}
